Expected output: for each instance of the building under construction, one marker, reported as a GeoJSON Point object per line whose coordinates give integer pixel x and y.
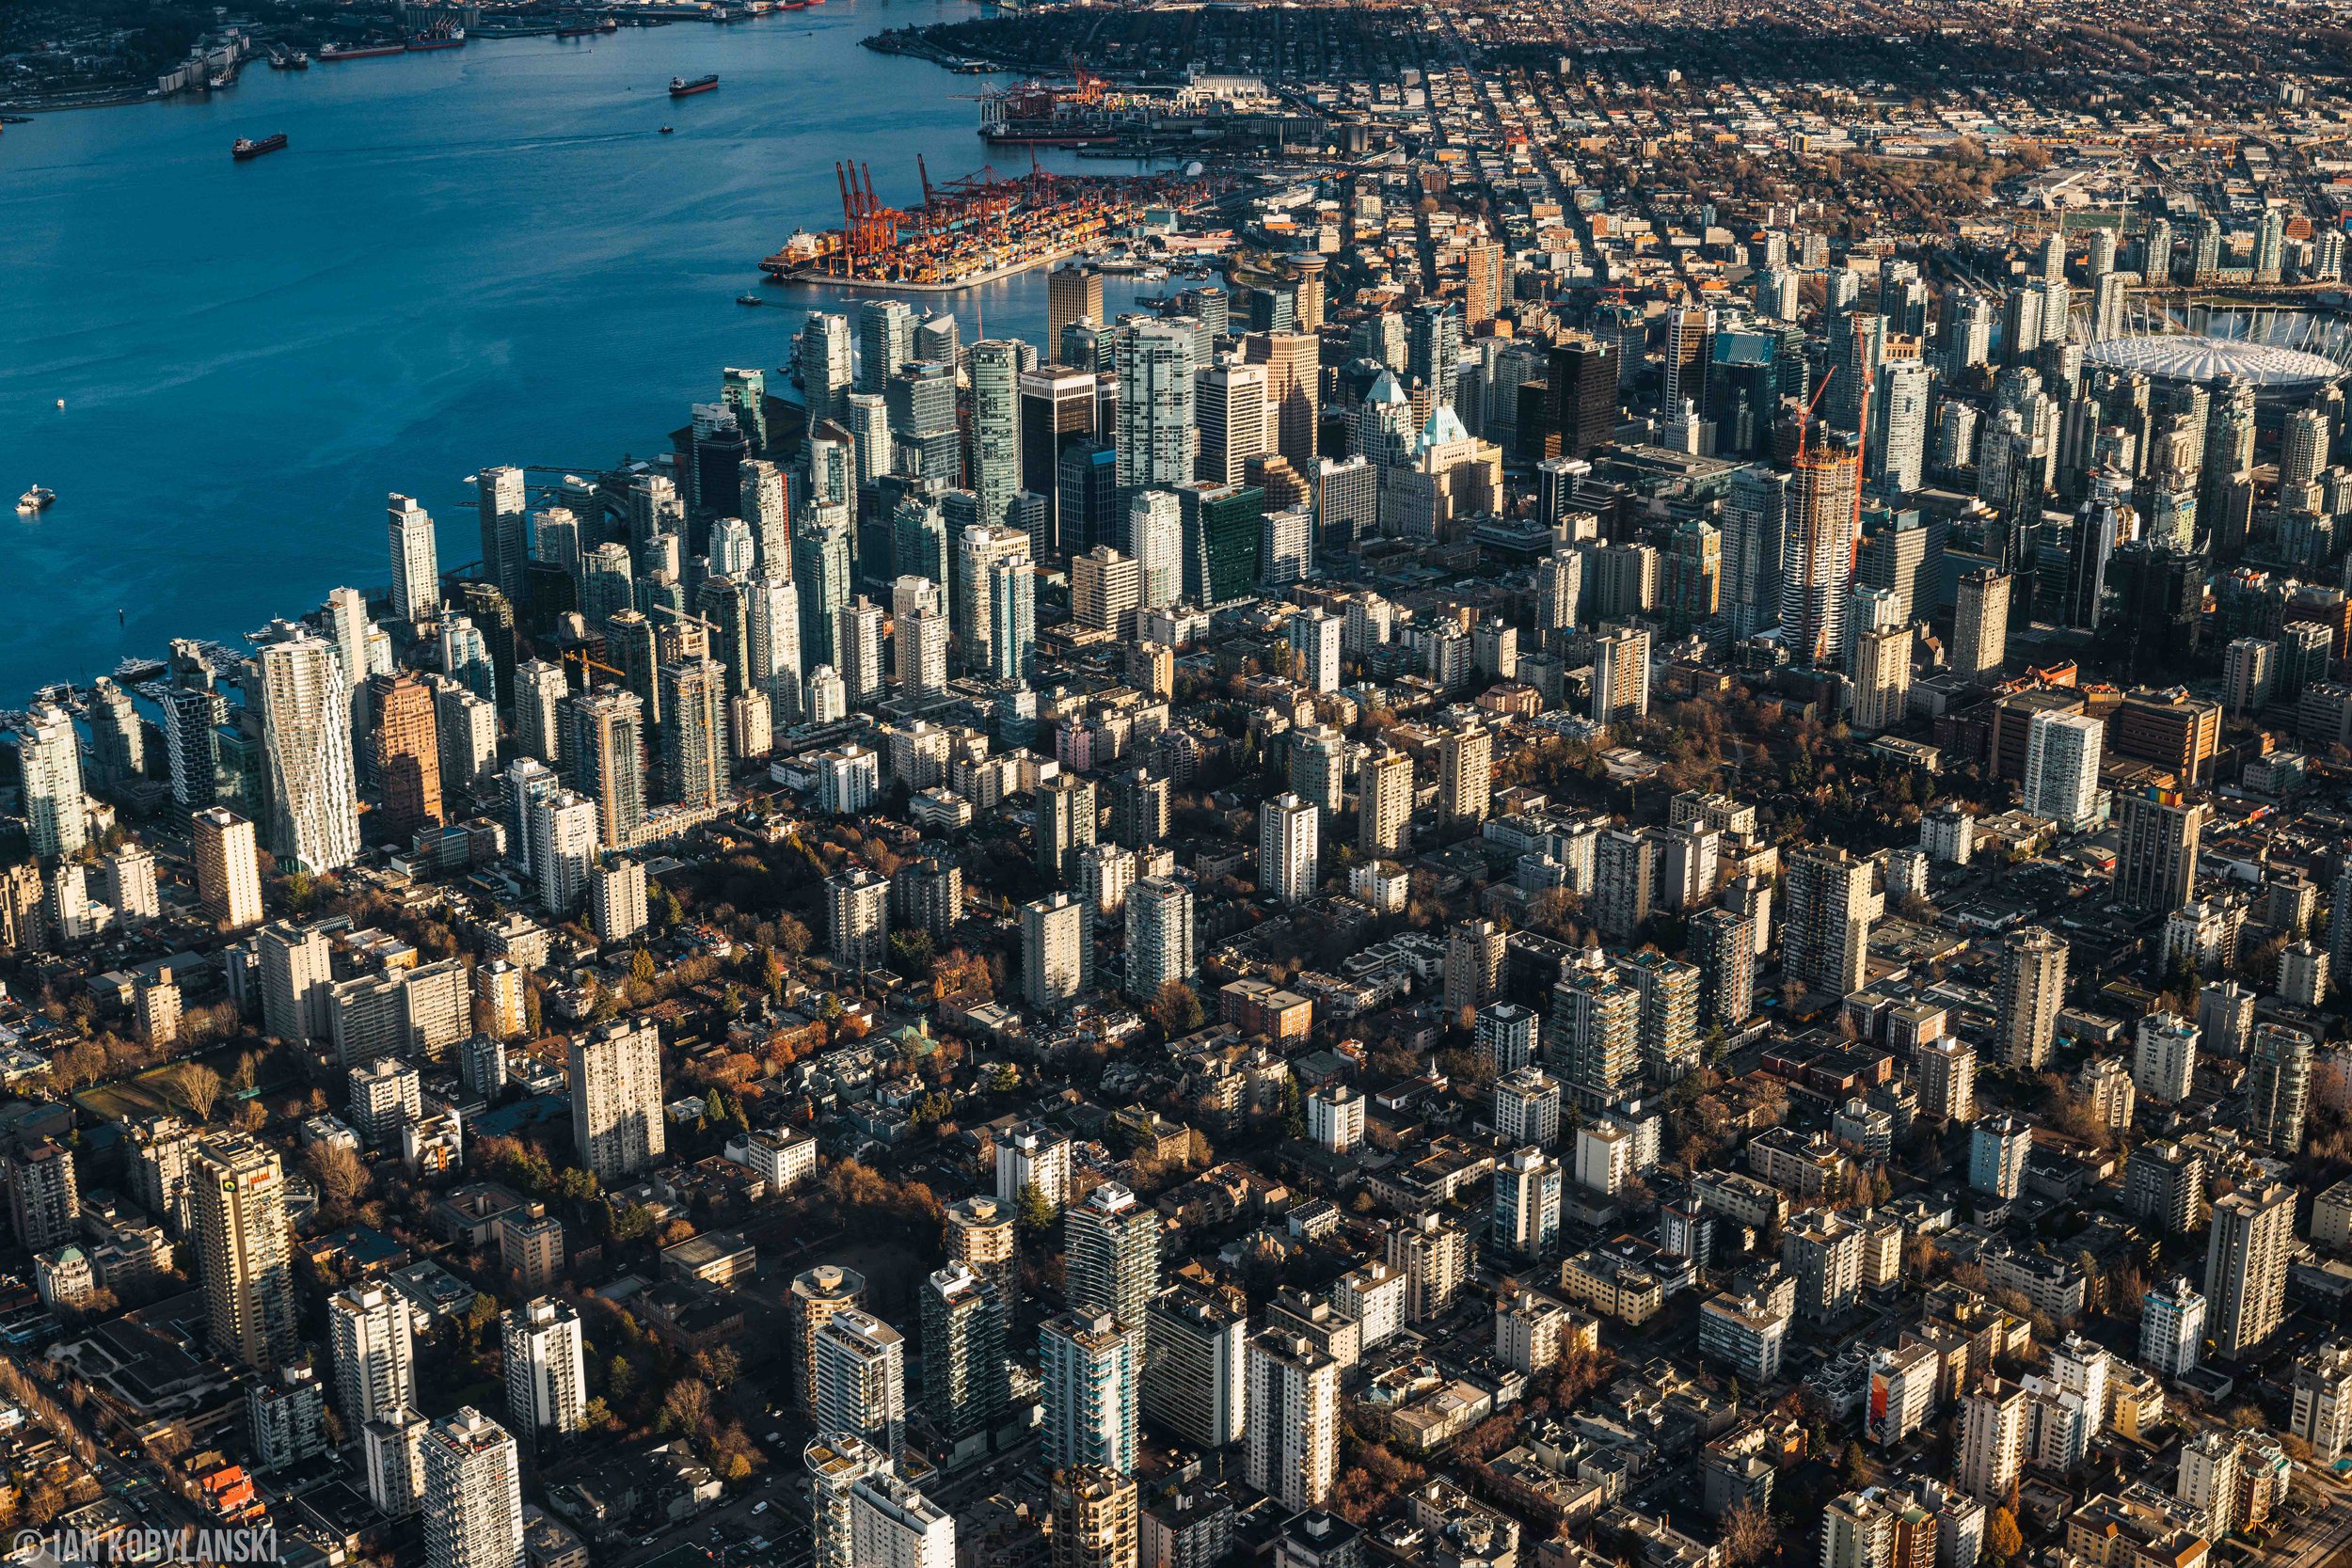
{"type": "Point", "coordinates": [974, 230]}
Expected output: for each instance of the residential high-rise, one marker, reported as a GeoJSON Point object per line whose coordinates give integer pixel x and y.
{"type": "Point", "coordinates": [1057, 950]}
{"type": "Point", "coordinates": [1033, 1155]}
{"type": "Point", "coordinates": [859, 1379]}
{"type": "Point", "coordinates": [1997, 1152]}
{"type": "Point", "coordinates": [1195, 1379]}
{"type": "Point", "coordinates": [371, 1336]}
{"type": "Point", "coordinates": [394, 1462]}
{"type": "Point", "coordinates": [1831, 910]}
{"type": "Point", "coordinates": [473, 1494]}
{"type": "Point", "coordinates": [2156, 865]}
{"type": "Point", "coordinates": [56, 811]}
{"type": "Point", "coordinates": [2171, 1329]}
{"type": "Point", "coordinates": [2062, 752]}
{"type": "Point", "coordinates": [1990, 1451]}
{"type": "Point", "coordinates": [965, 1391]}
{"type": "Point", "coordinates": [893, 1523]}
{"type": "Point", "coordinates": [1090, 1369]}
{"type": "Point", "coordinates": [1066, 819]}
{"type": "Point", "coordinates": [1723, 945]}
{"type": "Point", "coordinates": [1095, 1519]}
{"type": "Point", "coordinates": [1466, 775]}
{"type": "Point", "coordinates": [416, 562]}
{"type": "Point", "coordinates": [1294, 1420]}
{"type": "Point", "coordinates": [2245, 1266]}
{"type": "Point", "coordinates": [547, 1372]}
{"type": "Point", "coordinates": [617, 1124]}
{"type": "Point", "coordinates": [1154, 360]}
{"type": "Point", "coordinates": [243, 1245]}
{"type": "Point", "coordinates": [857, 918]}
{"type": "Point", "coordinates": [1527, 1196]}
{"type": "Point", "coordinates": [407, 756]}
{"type": "Point", "coordinates": [44, 1197]}
{"type": "Point", "coordinates": [817, 1296]}
{"type": "Point", "coordinates": [2027, 992]}
{"type": "Point", "coordinates": [2164, 1058]}
{"type": "Point", "coordinates": [694, 733]}
{"type": "Point", "coordinates": [2323, 1401]}
{"type": "Point", "coordinates": [1159, 948]}
{"type": "Point", "coordinates": [604, 759]}
{"type": "Point", "coordinates": [306, 747]}
{"type": "Point", "coordinates": [840, 1464]}
{"type": "Point", "coordinates": [2278, 1085]}
{"type": "Point", "coordinates": [1817, 558]}
{"type": "Point", "coordinates": [1106, 588]}
{"type": "Point", "coordinates": [1289, 854]}
{"type": "Point", "coordinates": [1111, 1246]}
{"type": "Point", "coordinates": [1383, 786]}
{"type": "Point", "coordinates": [228, 867]}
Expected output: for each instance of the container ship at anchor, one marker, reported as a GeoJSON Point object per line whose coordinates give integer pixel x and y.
{"type": "Point", "coordinates": [682, 88]}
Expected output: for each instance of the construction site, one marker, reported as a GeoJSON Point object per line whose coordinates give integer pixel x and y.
{"type": "Point", "coordinates": [974, 230]}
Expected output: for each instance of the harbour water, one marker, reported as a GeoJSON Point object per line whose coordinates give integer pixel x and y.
{"type": "Point", "coordinates": [478, 256]}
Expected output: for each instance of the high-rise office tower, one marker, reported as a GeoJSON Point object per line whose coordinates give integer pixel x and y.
{"type": "Point", "coordinates": [604, 759]}
{"type": "Point", "coordinates": [617, 1125]}
{"type": "Point", "coordinates": [1059, 410]}
{"type": "Point", "coordinates": [1073, 292]}
{"type": "Point", "coordinates": [965, 1391]}
{"type": "Point", "coordinates": [374, 1352]}
{"type": "Point", "coordinates": [1980, 625]}
{"type": "Point", "coordinates": [2247, 1252]}
{"type": "Point", "coordinates": [1293, 1420]}
{"type": "Point", "coordinates": [1231, 403]}
{"type": "Point", "coordinates": [2027, 994]}
{"type": "Point", "coordinates": [1159, 935]}
{"type": "Point", "coordinates": [547, 1371]}
{"type": "Point", "coordinates": [857, 918]}
{"type": "Point", "coordinates": [825, 360]}
{"type": "Point", "coordinates": [1091, 1371]}
{"type": "Point", "coordinates": [1156, 538]}
{"type": "Point", "coordinates": [994, 367]}
{"type": "Point", "coordinates": [1112, 1246]}
{"type": "Point", "coordinates": [305, 746]}
{"type": "Point", "coordinates": [1831, 909]}
{"type": "Point", "coordinates": [2155, 866]}
{"type": "Point", "coordinates": [1289, 848]}
{"type": "Point", "coordinates": [1156, 405]}
{"type": "Point", "coordinates": [858, 1380]}
{"type": "Point", "coordinates": [1106, 588]}
{"type": "Point", "coordinates": [694, 733]}
{"type": "Point", "coordinates": [243, 1246]}
{"type": "Point", "coordinates": [416, 562]}
{"type": "Point", "coordinates": [473, 1494]}
{"type": "Point", "coordinates": [407, 756]}
{"type": "Point", "coordinates": [228, 867]}
{"type": "Point", "coordinates": [1818, 554]}
{"type": "Point", "coordinates": [56, 811]}
{"type": "Point", "coordinates": [1096, 1520]}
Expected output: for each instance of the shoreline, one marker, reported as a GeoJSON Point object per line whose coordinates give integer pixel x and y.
{"type": "Point", "coordinates": [884, 285]}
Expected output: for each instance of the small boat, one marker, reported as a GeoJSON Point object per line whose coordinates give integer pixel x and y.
{"type": "Point", "coordinates": [39, 499]}
{"type": "Point", "coordinates": [245, 148]}
{"type": "Point", "coordinates": [748, 299]}
{"type": "Point", "coordinates": [668, 130]}
{"type": "Point", "coordinates": [682, 88]}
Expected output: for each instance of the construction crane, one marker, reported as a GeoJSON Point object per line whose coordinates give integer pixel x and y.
{"type": "Point", "coordinates": [588, 661]}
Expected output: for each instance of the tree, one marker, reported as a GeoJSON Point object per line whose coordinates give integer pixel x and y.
{"type": "Point", "coordinates": [1176, 1009]}
{"type": "Point", "coordinates": [2002, 1539]}
{"type": "Point", "coordinates": [199, 1086]}
{"type": "Point", "coordinates": [686, 1407]}
{"type": "Point", "coordinates": [337, 1169]}
{"type": "Point", "coordinates": [1749, 1537]}
{"type": "Point", "coordinates": [642, 968]}
{"type": "Point", "coordinates": [1033, 1215]}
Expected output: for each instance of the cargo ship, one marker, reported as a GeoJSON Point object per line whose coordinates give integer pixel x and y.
{"type": "Point", "coordinates": [454, 38]}
{"type": "Point", "coordinates": [359, 50]}
{"type": "Point", "coordinates": [682, 88]}
{"type": "Point", "coordinates": [586, 28]}
{"type": "Point", "coordinates": [245, 147]}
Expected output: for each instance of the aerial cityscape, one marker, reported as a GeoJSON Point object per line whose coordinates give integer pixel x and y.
{"type": "Point", "coordinates": [1357, 786]}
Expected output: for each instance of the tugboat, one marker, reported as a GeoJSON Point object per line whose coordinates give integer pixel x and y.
{"type": "Point", "coordinates": [682, 88]}
{"type": "Point", "coordinates": [748, 299]}
{"type": "Point", "coordinates": [39, 499]}
{"type": "Point", "coordinates": [245, 148]}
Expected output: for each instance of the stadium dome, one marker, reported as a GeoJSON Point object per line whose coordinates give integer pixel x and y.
{"type": "Point", "coordinates": [2182, 356]}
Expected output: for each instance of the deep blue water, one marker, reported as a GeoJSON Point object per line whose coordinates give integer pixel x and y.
{"type": "Point", "coordinates": [485, 255]}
